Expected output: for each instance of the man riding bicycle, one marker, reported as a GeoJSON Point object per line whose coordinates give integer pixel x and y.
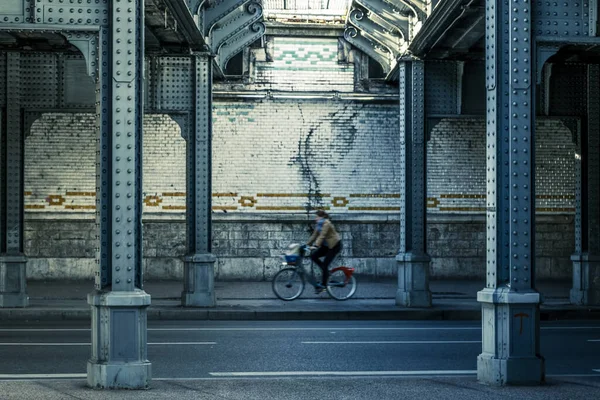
{"type": "Point", "coordinates": [328, 245]}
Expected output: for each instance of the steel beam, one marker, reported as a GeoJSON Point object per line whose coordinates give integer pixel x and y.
{"type": "Point", "coordinates": [13, 262]}
{"type": "Point", "coordinates": [360, 18]}
{"type": "Point", "coordinates": [233, 23]}
{"type": "Point", "coordinates": [238, 42]}
{"type": "Point", "coordinates": [382, 55]}
{"type": "Point", "coordinates": [413, 260]}
{"type": "Point", "coordinates": [510, 303]}
{"type": "Point", "coordinates": [389, 13]}
{"type": "Point", "coordinates": [199, 286]}
{"type": "Point", "coordinates": [210, 13]}
{"type": "Point", "coordinates": [586, 260]}
{"type": "Point", "coordinates": [119, 343]}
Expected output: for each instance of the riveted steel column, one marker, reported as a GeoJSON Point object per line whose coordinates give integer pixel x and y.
{"type": "Point", "coordinates": [119, 343]}
{"type": "Point", "coordinates": [510, 303]}
{"type": "Point", "coordinates": [13, 291]}
{"type": "Point", "coordinates": [413, 260]}
{"type": "Point", "coordinates": [199, 286]}
{"type": "Point", "coordinates": [586, 260]}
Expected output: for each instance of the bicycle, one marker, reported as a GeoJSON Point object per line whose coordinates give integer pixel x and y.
{"type": "Point", "coordinates": [288, 284]}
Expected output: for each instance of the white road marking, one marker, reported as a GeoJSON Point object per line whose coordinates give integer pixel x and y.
{"type": "Point", "coordinates": [254, 375]}
{"type": "Point", "coordinates": [44, 344]}
{"type": "Point", "coordinates": [224, 329]}
{"type": "Point", "coordinates": [399, 342]}
{"type": "Point", "coordinates": [181, 343]}
{"type": "Point", "coordinates": [42, 376]}
{"type": "Point", "coordinates": [594, 340]}
{"type": "Point", "coordinates": [249, 329]}
{"type": "Point", "coordinates": [45, 330]}
{"type": "Point", "coordinates": [342, 373]}
{"type": "Point", "coordinates": [88, 344]}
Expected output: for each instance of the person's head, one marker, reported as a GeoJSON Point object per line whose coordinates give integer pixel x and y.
{"type": "Point", "coordinates": [320, 214]}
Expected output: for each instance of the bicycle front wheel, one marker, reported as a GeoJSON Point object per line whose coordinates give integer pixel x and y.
{"type": "Point", "coordinates": [288, 284]}
{"type": "Point", "coordinates": [338, 288]}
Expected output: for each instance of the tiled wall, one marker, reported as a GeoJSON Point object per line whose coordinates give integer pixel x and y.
{"type": "Point", "coordinates": [285, 156]}
{"type": "Point", "coordinates": [457, 167]}
{"type": "Point", "coordinates": [305, 64]}
{"type": "Point", "coordinates": [60, 170]}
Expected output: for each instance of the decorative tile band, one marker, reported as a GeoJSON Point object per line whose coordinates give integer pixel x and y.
{"type": "Point", "coordinates": [221, 194]}
{"type": "Point", "coordinates": [34, 206]}
{"type": "Point", "coordinates": [80, 207]}
{"type": "Point", "coordinates": [376, 196]}
{"type": "Point", "coordinates": [292, 195]}
{"type": "Point", "coordinates": [284, 208]}
{"type": "Point", "coordinates": [232, 201]}
{"type": "Point", "coordinates": [462, 196]}
{"type": "Point", "coordinates": [374, 208]}
{"type": "Point", "coordinates": [82, 194]}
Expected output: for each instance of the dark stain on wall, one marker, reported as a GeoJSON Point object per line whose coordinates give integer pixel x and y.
{"type": "Point", "coordinates": [344, 132]}
{"type": "Point", "coordinates": [304, 159]}
{"type": "Point", "coordinates": [314, 151]}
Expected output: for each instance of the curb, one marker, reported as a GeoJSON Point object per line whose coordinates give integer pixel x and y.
{"type": "Point", "coordinates": [180, 313]}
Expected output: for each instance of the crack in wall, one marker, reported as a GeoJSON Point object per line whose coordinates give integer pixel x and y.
{"type": "Point", "coordinates": [344, 134]}
{"type": "Point", "coordinates": [303, 158]}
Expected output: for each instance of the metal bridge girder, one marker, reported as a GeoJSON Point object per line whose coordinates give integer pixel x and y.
{"type": "Point", "coordinates": [238, 42]}
{"type": "Point", "coordinates": [211, 13]}
{"type": "Point", "coordinates": [361, 19]}
{"type": "Point", "coordinates": [510, 304]}
{"type": "Point", "coordinates": [388, 13]}
{"type": "Point", "coordinates": [233, 23]}
{"type": "Point", "coordinates": [72, 12]}
{"type": "Point", "coordinates": [380, 54]}
{"type": "Point", "coordinates": [417, 7]}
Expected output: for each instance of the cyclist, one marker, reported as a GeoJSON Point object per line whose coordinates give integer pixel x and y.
{"type": "Point", "coordinates": [327, 243]}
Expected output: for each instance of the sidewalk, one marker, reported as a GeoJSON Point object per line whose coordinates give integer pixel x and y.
{"type": "Point", "coordinates": [452, 300]}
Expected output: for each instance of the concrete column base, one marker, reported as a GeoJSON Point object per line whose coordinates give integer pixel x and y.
{"type": "Point", "coordinates": [500, 372]}
{"type": "Point", "coordinates": [119, 340]}
{"type": "Point", "coordinates": [413, 280]}
{"type": "Point", "coordinates": [13, 288]}
{"type": "Point", "coordinates": [119, 376]}
{"type": "Point", "coordinates": [510, 338]}
{"type": "Point", "coordinates": [199, 281]}
{"type": "Point", "coordinates": [586, 280]}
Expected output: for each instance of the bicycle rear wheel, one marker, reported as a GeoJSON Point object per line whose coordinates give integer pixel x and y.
{"type": "Point", "coordinates": [338, 288]}
{"type": "Point", "coordinates": [288, 284]}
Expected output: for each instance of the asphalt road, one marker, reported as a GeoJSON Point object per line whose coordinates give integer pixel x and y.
{"type": "Point", "coordinates": [300, 356]}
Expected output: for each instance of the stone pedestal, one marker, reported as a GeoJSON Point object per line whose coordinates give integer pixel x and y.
{"type": "Point", "coordinates": [413, 280]}
{"type": "Point", "coordinates": [510, 338]}
{"type": "Point", "coordinates": [13, 292]}
{"type": "Point", "coordinates": [199, 281]}
{"type": "Point", "coordinates": [119, 358]}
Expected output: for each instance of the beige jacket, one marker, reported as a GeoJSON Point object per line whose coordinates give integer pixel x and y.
{"type": "Point", "coordinates": [328, 235]}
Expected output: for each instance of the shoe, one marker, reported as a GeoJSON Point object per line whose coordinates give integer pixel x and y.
{"type": "Point", "coordinates": [319, 288]}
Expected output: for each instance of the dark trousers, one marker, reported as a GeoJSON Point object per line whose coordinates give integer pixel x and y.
{"type": "Point", "coordinates": [329, 255]}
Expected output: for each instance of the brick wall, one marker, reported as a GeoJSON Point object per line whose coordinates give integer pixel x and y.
{"type": "Point", "coordinates": [248, 247]}
{"type": "Point", "coordinates": [305, 64]}
{"type": "Point", "coordinates": [457, 174]}
{"type": "Point", "coordinates": [60, 171]}
{"type": "Point", "coordinates": [274, 156]}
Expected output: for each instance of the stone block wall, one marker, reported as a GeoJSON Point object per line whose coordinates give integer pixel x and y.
{"type": "Point", "coordinates": [249, 247]}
